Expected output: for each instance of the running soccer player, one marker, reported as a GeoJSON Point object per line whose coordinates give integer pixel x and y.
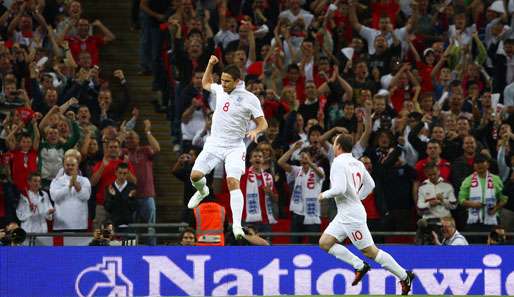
{"type": "Point", "coordinates": [351, 182]}
{"type": "Point", "coordinates": [235, 107]}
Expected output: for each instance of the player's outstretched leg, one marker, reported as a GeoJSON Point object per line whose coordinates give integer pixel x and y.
{"type": "Point", "coordinates": [236, 205]}
{"type": "Point", "coordinates": [329, 244]}
{"type": "Point", "coordinates": [389, 263]}
{"type": "Point", "coordinates": [200, 183]}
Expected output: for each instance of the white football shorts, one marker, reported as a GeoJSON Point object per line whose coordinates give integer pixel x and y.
{"type": "Point", "coordinates": [213, 154]}
{"type": "Point", "coordinates": [357, 232]}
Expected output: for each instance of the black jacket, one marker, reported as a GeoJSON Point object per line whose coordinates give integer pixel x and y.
{"type": "Point", "coordinates": [508, 191]}
{"type": "Point", "coordinates": [120, 206]}
{"type": "Point", "coordinates": [500, 68]}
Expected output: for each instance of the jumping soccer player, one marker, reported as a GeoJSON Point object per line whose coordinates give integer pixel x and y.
{"type": "Point", "coordinates": [350, 183]}
{"type": "Point", "coordinates": [235, 107]}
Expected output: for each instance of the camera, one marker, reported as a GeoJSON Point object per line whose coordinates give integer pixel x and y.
{"type": "Point", "coordinates": [14, 237]}
{"type": "Point", "coordinates": [496, 238]}
{"type": "Point", "coordinates": [425, 229]}
{"type": "Point", "coordinates": [101, 237]}
{"type": "Point", "coordinates": [106, 233]}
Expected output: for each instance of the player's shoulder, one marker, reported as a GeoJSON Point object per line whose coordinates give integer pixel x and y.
{"type": "Point", "coordinates": [248, 96]}
{"type": "Point", "coordinates": [346, 158]}
{"type": "Point", "coordinates": [216, 87]}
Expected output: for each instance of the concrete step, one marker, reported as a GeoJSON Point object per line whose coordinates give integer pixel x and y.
{"type": "Point", "coordinates": [123, 53]}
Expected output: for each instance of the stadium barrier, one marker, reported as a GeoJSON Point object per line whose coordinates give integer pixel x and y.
{"type": "Point", "coordinates": [133, 238]}
{"type": "Point", "coordinates": [246, 271]}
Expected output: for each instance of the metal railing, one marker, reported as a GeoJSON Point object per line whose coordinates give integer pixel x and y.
{"type": "Point", "coordinates": [134, 237]}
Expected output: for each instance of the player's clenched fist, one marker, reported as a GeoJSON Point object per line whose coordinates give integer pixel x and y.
{"type": "Point", "coordinates": [213, 60]}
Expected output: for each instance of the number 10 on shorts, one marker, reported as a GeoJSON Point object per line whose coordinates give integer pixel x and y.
{"type": "Point", "coordinates": [356, 236]}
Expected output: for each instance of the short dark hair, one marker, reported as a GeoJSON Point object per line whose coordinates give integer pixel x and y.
{"type": "Point", "coordinates": [315, 128]}
{"type": "Point", "coordinates": [509, 41]}
{"type": "Point", "coordinates": [481, 158]}
{"type": "Point", "coordinates": [349, 103]}
{"type": "Point", "coordinates": [345, 142]}
{"type": "Point", "coordinates": [472, 82]}
{"type": "Point", "coordinates": [109, 141]}
{"type": "Point", "coordinates": [292, 67]}
{"type": "Point", "coordinates": [254, 151]}
{"type": "Point", "coordinates": [415, 116]}
{"type": "Point", "coordinates": [455, 83]}
{"type": "Point", "coordinates": [193, 32]}
{"type": "Point", "coordinates": [33, 174]}
{"type": "Point", "coordinates": [186, 230]}
{"type": "Point", "coordinates": [233, 71]}
{"type": "Point", "coordinates": [431, 165]}
{"type": "Point", "coordinates": [307, 150]}
{"type": "Point", "coordinates": [25, 135]}
{"type": "Point", "coordinates": [433, 141]}
{"type": "Point", "coordinates": [437, 125]}
{"type": "Point", "coordinates": [324, 58]}
{"type": "Point", "coordinates": [122, 165]}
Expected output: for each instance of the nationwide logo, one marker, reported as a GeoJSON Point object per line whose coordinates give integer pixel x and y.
{"type": "Point", "coordinates": [105, 279]}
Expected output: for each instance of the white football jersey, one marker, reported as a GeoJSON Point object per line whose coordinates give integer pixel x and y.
{"type": "Point", "coordinates": [350, 182]}
{"type": "Point", "coordinates": [232, 114]}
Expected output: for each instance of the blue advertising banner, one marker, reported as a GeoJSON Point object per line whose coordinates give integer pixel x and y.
{"type": "Point", "coordinates": [222, 271]}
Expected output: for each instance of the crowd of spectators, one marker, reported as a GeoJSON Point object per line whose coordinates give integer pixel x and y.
{"type": "Point", "coordinates": [424, 87]}
{"type": "Point", "coordinates": [69, 161]}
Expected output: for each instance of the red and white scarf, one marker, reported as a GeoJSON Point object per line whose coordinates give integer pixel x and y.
{"type": "Point", "coordinates": [256, 200]}
{"type": "Point", "coordinates": [304, 199]}
{"type": "Point", "coordinates": [485, 196]}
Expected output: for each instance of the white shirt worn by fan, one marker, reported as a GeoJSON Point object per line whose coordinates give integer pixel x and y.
{"type": "Point", "coordinates": [196, 123]}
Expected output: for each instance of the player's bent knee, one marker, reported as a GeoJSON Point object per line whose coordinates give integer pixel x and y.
{"type": "Point", "coordinates": [325, 243]}
{"type": "Point", "coordinates": [196, 175]}
{"type": "Point", "coordinates": [370, 252]}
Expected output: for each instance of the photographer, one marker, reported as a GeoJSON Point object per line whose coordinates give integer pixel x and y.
{"type": "Point", "coordinates": [100, 238]}
{"type": "Point", "coordinates": [450, 235]}
{"type": "Point", "coordinates": [497, 236]}
{"type": "Point", "coordinates": [12, 235]}
{"type": "Point", "coordinates": [105, 236]}
{"type": "Point", "coordinates": [435, 200]}
{"type": "Point", "coordinates": [251, 238]}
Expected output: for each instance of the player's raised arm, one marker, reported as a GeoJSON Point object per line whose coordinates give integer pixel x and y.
{"type": "Point", "coordinates": [207, 75]}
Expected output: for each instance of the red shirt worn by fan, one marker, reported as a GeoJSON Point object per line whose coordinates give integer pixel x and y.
{"type": "Point", "coordinates": [91, 44]}
{"type": "Point", "coordinates": [108, 177]}
{"type": "Point", "coordinates": [23, 164]}
{"type": "Point", "coordinates": [443, 165]}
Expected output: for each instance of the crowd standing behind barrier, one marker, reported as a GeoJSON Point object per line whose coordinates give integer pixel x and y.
{"type": "Point", "coordinates": [425, 88]}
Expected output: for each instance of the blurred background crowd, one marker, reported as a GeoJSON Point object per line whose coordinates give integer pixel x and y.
{"type": "Point", "coordinates": [424, 87]}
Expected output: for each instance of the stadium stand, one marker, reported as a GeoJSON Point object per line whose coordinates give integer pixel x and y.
{"type": "Point", "coordinates": [424, 87]}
